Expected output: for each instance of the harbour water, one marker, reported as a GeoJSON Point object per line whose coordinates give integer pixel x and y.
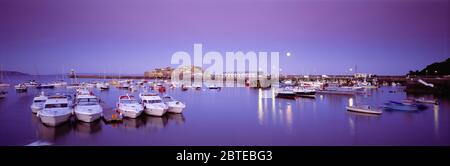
{"type": "Point", "coordinates": [234, 116]}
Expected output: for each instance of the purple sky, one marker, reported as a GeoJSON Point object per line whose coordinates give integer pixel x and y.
{"type": "Point", "coordinates": [131, 36]}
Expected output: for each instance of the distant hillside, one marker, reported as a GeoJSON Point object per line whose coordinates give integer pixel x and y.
{"type": "Point", "coordinates": [12, 73]}
{"type": "Point", "coordinates": [438, 68]}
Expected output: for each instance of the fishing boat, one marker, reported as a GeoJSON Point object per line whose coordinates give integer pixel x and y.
{"type": "Point", "coordinates": [174, 105]}
{"type": "Point", "coordinates": [153, 104]}
{"type": "Point", "coordinates": [286, 92]}
{"type": "Point", "coordinates": [56, 110]}
{"type": "Point", "coordinates": [129, 107]}
{"type": "Point", "coordinates": [364, 109]}
{"type": "Point", "coordinates": [38, 103]}
{"type": "Point", "coordinates": [21, 88]}
{"type": "Point", "coordinates": [87, 108]}
{"type": "Point", "coordinates": [393, 105]}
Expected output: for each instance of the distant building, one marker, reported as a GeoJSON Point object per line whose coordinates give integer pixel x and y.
{"type": "Point", "coordinates": [362, 75]}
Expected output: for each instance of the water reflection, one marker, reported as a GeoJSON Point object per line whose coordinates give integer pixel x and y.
{"type": "Point", "coordinates": [49, 133]}
{"type": "Point", "coordinates": [436, 120]}
{"type": "Point", "coordinates": [177, 118]}
{"type": "Point", "coordinates": [85, 129]}
{"type": "Point", "coordinates": [281, 114]}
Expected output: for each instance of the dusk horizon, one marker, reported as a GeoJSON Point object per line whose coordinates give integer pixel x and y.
{"type": "Point", "coordinates": [323, 37]}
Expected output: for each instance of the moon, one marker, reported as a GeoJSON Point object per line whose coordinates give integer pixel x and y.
{"type": "Point", "coordinates": [288, 54]}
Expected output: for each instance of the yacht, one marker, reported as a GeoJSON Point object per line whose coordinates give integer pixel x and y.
{"type": "Point", "coordinates": [21, 88]}
{"type": "Point", "coordinates": [87, 108]}
{"type": "Point", "coordinates": [56, 110]}
{"type": "Point", "coordinates": [129, 107]}
{"type": "Point", "coordinates": [38, 103]}
{"type": "Point", "coordinates": [153, 104]}
{"type": "Point", "coordinates": [174, 105]}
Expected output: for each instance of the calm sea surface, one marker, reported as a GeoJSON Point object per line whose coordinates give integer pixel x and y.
{"type": "Point", "coordinates": [234, 116]}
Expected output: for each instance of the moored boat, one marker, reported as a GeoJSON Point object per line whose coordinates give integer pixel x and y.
{"type": "Point", "coordinates": [174, 105]}
{"type": "Point", "coordinates": [21, 88]}
{"type": "Point", "coordinates": [364, 109]}
{"type": "Point", "coordinates": [286, 92]}
{"type": "Point", "coordinates": [38, 103]}
{"type": "Point", "coordinates": [87, 108]}
{"type": "Point", "coordinates": [153, 104]}
{"type": "Point", "coordinates": [56, 110]}
{"type": "Point", "coordinates": [129, 107]}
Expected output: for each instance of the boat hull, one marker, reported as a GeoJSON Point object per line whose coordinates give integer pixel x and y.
{"type": "Point", "coordinates": [54, 120]}
{"type": "Point", "coordinates": [177, 110]}
{"type": "Point", "coordinates": [130, 114]}
{"type": "Point", "coordinates": [88, 117]}
{"type": "Point", "coordinates": [155, 111]}
{"type": "Point", "coordinates": [360, 110]}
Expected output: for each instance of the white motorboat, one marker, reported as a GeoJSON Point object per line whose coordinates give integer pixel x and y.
{"type": "Point", "coordinates": [174, 105]}
{"type": "Point", "coordinates": [87, 108]}
{"type": "Point", "coordinates": [38, 103]}
{"type": "Point", "coordinates": [129, 107]}
{"type": "Point", "coordinates": [364, 109]}
{"type": "Point", "coordinates": [21, 88]}
{"type": "Point", "coordinates": [56, 111]}
{"type": "Point", "coordinates": [153, 104]}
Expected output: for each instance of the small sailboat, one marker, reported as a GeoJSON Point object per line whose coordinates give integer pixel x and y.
{"type": "Point", "coordinates": [364, 109]}
{"type": "Point", "coordinates": [174, 105]}
{"type": "Point", "coordinates": [153, 104]}
{"type": "Point", "coordinates": [129, 107]}
{"type": "Point", "coordinates": [38, 103]}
